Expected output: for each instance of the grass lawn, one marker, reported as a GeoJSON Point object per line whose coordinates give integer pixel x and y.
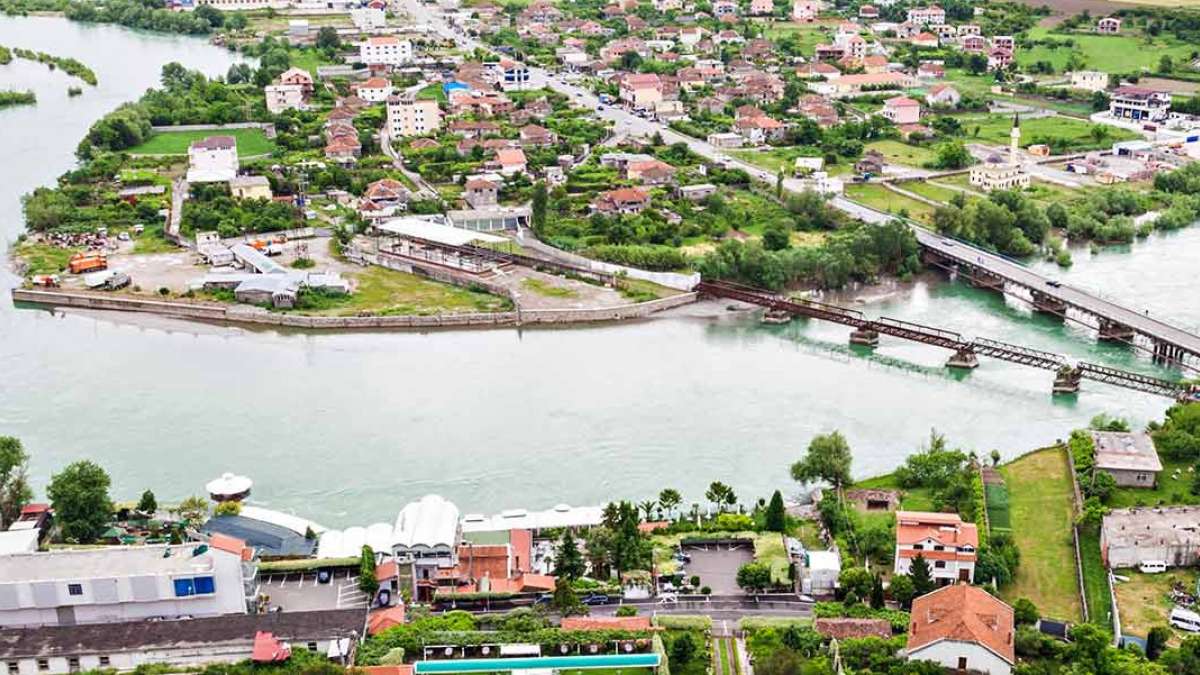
{"type": "Point", "coordinates": [1077, 134]}
{"type": "Point", "coordinates": [432, 92]}
{"type": "Point", "coordinates": [774, 159]}
{"type": "Point", "coordinates": [307, 59]}
{"type": "Point", "coordinates": [807, 35]}
{"type": "Point", "coordinates": [915, 499]}
{"type": "Point", "coordinates": [1040, 510]}
{"type": "Point", "coordinates": [1110, 53]}
{"type": "Point", "coordinates": [385, 292]}
{"type": "Point", "coordinates": [880, 198]}
{"type": "Point", "coordinates": [929, 190]}
{"type": "Point", "coordinates": [638, 290]}
{"type": "Point", "coordinates": [547, 290]}
{"type": "Point", "coordinates": [1095, 577]}
{"type": "Point", "coordinates": [1145, 601]}
{"type": "Point", "coordinates": [249, 142]}
{"type": "Point", "coordinates": [902, 153]}
{"type": "Point", "coordinates": [43, 258]}
{"type": "Point", "coordinates": [1174, 487]}
{"type": "Point", "coordinates": [152, 240]}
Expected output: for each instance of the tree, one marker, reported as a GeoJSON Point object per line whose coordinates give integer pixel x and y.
{"type": "Point", "coordinates": [368, 583]}
{"type": "Point", "coordinates": [565, 600]}
{"type": "Point", "coordinates": [327, 38]}
{"type": "Point", "coordinates": [194, 509]}
{"type": "Point", "coordinates": [538, 218]}
{"type": "Point", "coordinates": [776, 237]}
{"type": "Point", "coordinates": [669, 499]}
{"type": "Point", "coordinates": [14, 483]}
{"type": "Point", "coordinates": [1025, 612]}
{"type": "Point", "coordinates": [79, 495]}
{"type": "Point", "coordinates": [951, 155]}
{"type": "Point", "coordinates": [776, 516]}
{"type": "Point", "coordinates": [754, 577]}
{"type": "Point", "coordinates": [569, 561]}
{"type": "Point", "coordinates": [995, 457]}
{"type": "Point", "coordinates": [627, 610]}
{"type": "Point", "coordinates": [877, 593]}
{"type": "Point", "coordinates": [647, 507]}
{"type": "Point", "coordinates": [902, 589]}
{"type": "Point", "coordinates": [1156, 642]}
{"type": "Point", "coordinates": [856, 580]}
{"type": "Point", "coordinates": [683, 649]}
{"type": "Point", "coordinates": [147, 505]}
{"type": "Point", "coordinates": [828, 459]}
{"type": "Point", "coordinates": [230, 508]}
{"type": "Point", "coordinates": [720, 495]}
{"type": "Point", "coordinates": [922, 579]}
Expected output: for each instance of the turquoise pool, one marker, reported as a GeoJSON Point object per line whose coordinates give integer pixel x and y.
{"type": "Point", "coordinates": [541, 662]}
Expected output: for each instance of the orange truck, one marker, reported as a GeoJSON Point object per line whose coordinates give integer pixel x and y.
{"type": "Point", "coordinates": [88, 262]}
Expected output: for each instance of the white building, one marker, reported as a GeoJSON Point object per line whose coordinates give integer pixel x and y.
{"type": "Point", "coordinates": [212, 160]}
{"type": "Point", "coordinates": [923, 16]}
{"type": "Point", "coordinates": [995, 173]}
{"type": "Point", "coordinates": [425, 540]}
{"type": "Point", "coordinates": [368, 18]}
{"type": "Point", "coordinates": [385, 50]}
{"type": "Point", "coordinates": [409, 116]}
{"type": "Point", "coordinates": [1089, 80]}
{"type": "Point", "coordinates": [1129, 537]}
{"type": "Point", "coordinates": [964, 629]}
{"type": "Point", "coordinates": [574, 517]}
{"type": "Point", "coordinates": [375, 89]}
{"type": "Point", "coordinates": [947, 543]}
{"type": "Point", "coordinates": [1139, 104]}
{"type": "Point", "coordinates": [281, 97]}
{"type": "Point", "coordinates": [125, 583]}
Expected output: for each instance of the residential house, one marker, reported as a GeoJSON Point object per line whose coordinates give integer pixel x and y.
{"type": "Point", "coordinates": [481, 193]}
{"type": "Point", "coordinates": [1109, 25]}
{"type": "Point", "coordinates": [668, 5]}
{"type": "Point", "coordinates": [805, 11]}
{"type": "Point", "coordinates": [901, 110]}
{"type": "Point", "coordinates": [374, 89]}
{"type": "Point", "coordinates": [508, 75]}
{"type": "Point", "coordinates": [923, 16]}
{"type": "Point", "coordinates": [385, 50]}
{"type": "Point", "coordinates": [727, 37]}
{"type": "Point", "coordinates": [480, 103]}
{"type": "Point", "coordinates": [868, 12]}
{"type": "Point", "coordinates": [343, 149]}
{"type": "Point", "coordinates": [411, 116]}
{"type": "Point", "coordinates": [871, 162]}
{"type": "Point", "coordinates": [819, 109]}
{"type": "Point", "coordinates": [1139, 104]}
{"type": "Point", "coordinates": [1089, 80]}
{"type": "Point", "coordinates": [925, 39]}
{"type": "Point", "coordinates": [1168, 534]}
{"type": "Point", "coordinates": [386, 194]}
{"type": "Point", "coordinates": [962, 628]}
{"type": "Point", "coordinates": [250, 187]}
{"type": "Point", "coordinates": [212, 160]}
{"type": "Point", "coordinates": [762, 129]}
{"type": "Point", "coordinates": [281, 97]}
{"type": "Point", "coordinates": [943, 95]}
{"type": "Point", "coordinates": [622, 201]}
{"type": "Point", "coordinates": [817, 70]}
{"type": "Point", "coordinates": [726, 140]}
{"type": "Point", "coordinates": [509, 161]}
{"type": "Point", "coordinates": [1130, 458]}
{"type": "Point", "coordinates": [652, 172]}
{"type": "Point", "coordinates": [697, 192]}
{"type": "Point", "coordinates": [533, 135]}
{"type": "Point", "coordinates": [641, 91]}
{"type": "Point", "coordinates": [1004, 42]}
{"type": "Point", "coordinates": [723, 8]}
{"type": "Point", "coordinates": [875, 63]}
{"type": "Point", "coordinates": [969, 29]}
{"type": "Point", "coordinates": [368, 18]}
{"type": "Point", "coordinates": [999, 58]}
{"type": "Point", "coordinates": [929, 70]}
{"type": "Point", "coordinates": [853, 84]}
{"type": "Point", "coordinates": [472, 129]}
{"type": "Point", "coordinates": [762, 7]}
{"type": "Point", "coordinates": [973, 44]}
{"type": "Point", "coordinates": [947, 543]}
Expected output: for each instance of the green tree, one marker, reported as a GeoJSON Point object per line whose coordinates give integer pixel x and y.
{"type": "Point", "coordinates": [901, 588]}
{"type": "Point", "coordinates": [1025, 612]}
{"type": "Point", "coordinates": [754, 577]}
{"type": "Point", "coordinates": [538, 218]}
{"type": "Point", "coordinates": [147, 504]}
{"type": "Point", "coordinates": [79, 495]}
{"type": "Point", "coordinates": [669, 499]}
{"type": "Point", "coordinates": [14, 483]}
{"type": "Point", "coordinates": [683, 649]}
{"type": "Point", "coordinates": [951, 155]}
{"type": "Point", "coordinates": [568, 562]}
{"type": "Point", "coordinates": [922, 578]}
{"type": "Point", "coordinates": [193, 509]}
{"type": "Point", "coordinates": [368, 583]}
{"type": "Point", "coordinates": [776, 236]}
{"type": "Point", "coordinates": [856, 580]}
{"type": "Point", "coordinates": [995, 455]}
{"type": "Point", "coordinates": [327, 38]}
{"type": "Point", "coordinates": [647, 508]}
{"type": "Point", "coordinates": [1156, 642]}
{"type": "Point", "coordinates": [776, 515]}
{"type": "Point", "coordinates": [828, 459]}
{"type": "Point", "coordinates": [720, 494]}
{"type": "Point", "coordinates": [230, 508]}
{"type": "Point", "coordinates": [565, 600]}
{"type": "Point", "coordinates": [877, 593]}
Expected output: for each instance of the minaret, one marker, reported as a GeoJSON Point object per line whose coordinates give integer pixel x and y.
{"type": "Point", "coordinates": [1015, 142]}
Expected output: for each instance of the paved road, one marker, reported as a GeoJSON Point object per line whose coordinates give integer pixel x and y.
{"type": "Point", "coordinates": [627, 123]}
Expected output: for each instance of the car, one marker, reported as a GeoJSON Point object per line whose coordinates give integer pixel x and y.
{"type": "Point", "coordinates": [683, 558]}
{"type": "Point", "coordinates": [1053, 283]}
{"type": "Point", "coordinates": [116, 281]}
{"type": "Point", "coordinates": [592, 599]}
{"type": "Point", "coordinates": [324, 576]}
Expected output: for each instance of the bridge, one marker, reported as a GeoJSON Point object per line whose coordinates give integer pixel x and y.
{"type": "Point", "coordinates": [1067, 375]}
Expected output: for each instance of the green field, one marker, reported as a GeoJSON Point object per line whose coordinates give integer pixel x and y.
{"type": "Point", "coordinates": [1109, 53]}
{"type": "Point", "coordinates": [915, 499]}
{"type": "Point", "coordinates": [929, 190]}
{"type": "Point", "coordinates": [249, 142]}
{"type": "Point", "coordinates": [385, 292]}
{"type": "Point", "coordinates": [902, 153]}
{"type": "Point", "coordinates": [775, 159]}
{"type": "Point", "coordinates": [1041, 514]}
{"type": "Point", "coordinates": [880, 198]}
{"type": "Point", "coordinates": [807, 35]}
{"type": "Point", "coordinates": [1074, 134]}
{"type": "Point", "coordinates": [1169, 490]}
{"type": "Point", "coordinates": [1095, 577]}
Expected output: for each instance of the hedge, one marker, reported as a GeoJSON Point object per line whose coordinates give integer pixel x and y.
{"type": "Point", "coordinates": [683, 622]}
{"type": "Point", "coordinates": [837, 610]}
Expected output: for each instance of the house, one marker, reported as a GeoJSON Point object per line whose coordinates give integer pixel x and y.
{"type": "Point", "coordinates": [943, 95]}
{"type": "Point", "coordinates": [947, 543]}
{"type": "Point", "coordinates": [281, 97]}
{"type": "Point", "coordinates": [901, 110]}
{"type": "Point", "coordinates": [875, 63]}
{"type": "Point", "coordinates": [852, 84]}
{"type": "Point", "coordinates": [212, 160]}
{"type": "Point", "coordinates": [1109, 25]}
{"type": "Point", "coordinates": [805, 11]}
{"type": "Point", "coordinates": [818, 109]}
{"type": "Point", "coordinates": [411, 116]}
{"type": "Point", "coordinates": [723, 8]}
{"type": "Point", "coordinates": [641, 91]}
{"type": "Point", "coordinates": [1004, 42]}
{"type": "Point", "coordinates": [652, 172]}
{"type": "Point", "coordinates": [1168, 534]}
{"type": "Point", "coordinates": [1089, 80]}
{"type": "Point", "coordinates": [425, 542]}
{"type": "Point", "coordinates": [962, 628]}
{"type": "Point", "coordinates": [999, 58]}
{"type": "Point", "coordinates": [869, 12]}
{"type": "Point", "coordinates": [668, 5]}
{"type": "Point", "coordinates": [872, 162]}
{"type": "Point", "coordinates": [923, 16]}
{"type": "Point", "coordinates": [1130, 458]}
{"type": "Point", "coordinates": [509, 161]}
{"type": "Point", "coordinates": [126, 583]}
{"type": "Point", "coordinates": [931, 71]}
{"type": "Point", "coordinates": [762, 7]}
{"type": "Point", "coordinates": [374, 89]}
{"type": "Point", "coordinates": [508, 74]}
{"type": "Point", "coordinates": [973, 44]}
{"type": "Point", "coordinates": [368, 18]}
{"type": "Point", "coordinates": [911, 131]}
{"type": "Point", "coordinates": [758, 130]}
{"type": "Point", "coordinates": [925, 39]}
{"type": "Point", "coordinates": [480, 193]}
{"type": "Point", "coordinates": [250, 187]}
{"type": "Point", "coordinates": [1139, 104]}
{"type": "Point", "coordinates": [186, 645]}
{"type": "Point", "coordinates": [817, 70]}
{"type": "Point", "coordinates": [385, 194]}
{"type": "Point", "coordinates": [298, 77]}
{"type": "Point", "coordinates": [622, 201]}
{"type": "Point", "coordinates": [697, 192]}
{"type": "Point", "coordinates": [536, 136]}
{"type": "Point", "coordinates": [385, 50]}
{"type": "Point", "coordinates": [726, 140]}
{"type": "Point", "coordinates": [969, 29]}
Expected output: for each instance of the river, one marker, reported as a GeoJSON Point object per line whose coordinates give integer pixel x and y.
{"type": "Point", "coordinates": [345, 428]}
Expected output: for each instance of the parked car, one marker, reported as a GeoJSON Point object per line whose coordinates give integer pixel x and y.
{"type": "Point", "coordinates": [595, 599]}
{"type": "Point", "coordinates": [1184, 619]}
{"type": "Point", "coordinates": [1152, 566]}
{"type": "Point", "coordinates": [324, 576]}
{"type": "Point", "coordinates": [1053, 283]}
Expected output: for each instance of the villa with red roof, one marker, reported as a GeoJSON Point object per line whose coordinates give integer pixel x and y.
{"type": "Point", "coordinates": [947, 543]}
{"type": "Point", "coordinates": [964, 629]}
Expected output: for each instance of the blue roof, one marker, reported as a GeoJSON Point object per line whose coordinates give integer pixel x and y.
{"type": "Point", "coordinates": [271, 540]}
{"type": "Point", "coordinates": [541, 662]}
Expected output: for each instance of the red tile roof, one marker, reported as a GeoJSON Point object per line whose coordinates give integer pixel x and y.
{"type": "Point", "coordinates": [962, 613]}
{"type": "Point", "coordinates": [268, 650]}
{"type": "Point", "coordinates": [383, 619]}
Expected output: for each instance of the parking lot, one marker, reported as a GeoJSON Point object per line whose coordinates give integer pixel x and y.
{"type": "Point", "coordinates": [717, 565]}
{"type": "Point", "coordinates": [301, 592]}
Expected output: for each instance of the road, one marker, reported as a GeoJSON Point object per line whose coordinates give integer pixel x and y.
{"type": "Point", "coordinates": [626, 123]}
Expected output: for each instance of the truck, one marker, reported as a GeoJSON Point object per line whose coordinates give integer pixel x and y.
{"type": "Point", "coordinates": [82, 263]}
{"type": "Point", "coordinates": [45, 280]}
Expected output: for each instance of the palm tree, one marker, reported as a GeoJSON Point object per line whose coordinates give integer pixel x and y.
{"type": "Point", "coordinates": [669, 499]}
{"type": "Point", "coordinates": [720, 495]}
{"type": "Point", "coordinates": [647, 508]}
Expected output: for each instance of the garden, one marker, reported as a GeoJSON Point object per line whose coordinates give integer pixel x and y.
{"type": "Point", "coordinates": [250, 142]}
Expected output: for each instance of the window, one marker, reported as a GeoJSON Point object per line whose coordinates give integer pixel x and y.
{"type": "Point", "coordinates": [940, 564]}
{"type": "Point", "coordinates": [204, 585]}
{"type": "Point", "coordinates": [13, 668]}
{"type": "Point", "coordinates": [74, 589]}
{"type": "Point", "coordinates": [962, 663]}
{"type": "Point", "coordinates": [105, 661]}
{"type": "Point", "coordinates": [43, 664]}
{"type": "Point", "coordinates": [312, 646]}
{"type": "Point", "coordinates": [184, 587]}
{"type": "Point", "coordinates": [73, 664]}
{"type": "Point", "coordinates": [918, 547]}
{"type": "Point", "coordinates": [939, 547]}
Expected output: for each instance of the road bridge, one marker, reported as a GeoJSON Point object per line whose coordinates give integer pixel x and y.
{"type": "Point", "coordinates": [1067, 375]}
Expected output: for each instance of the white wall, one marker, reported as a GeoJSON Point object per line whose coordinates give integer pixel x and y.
{"type": "Point", "coordinates": [947, 653]}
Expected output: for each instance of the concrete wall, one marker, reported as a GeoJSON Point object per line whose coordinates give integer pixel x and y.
{"type": "Point", "coordinates": [947, 653]}
{"type": "Point", "coordinates": [256, 315]}
{"type": "Point", "coordinates": [1137, 479]}
{"type": "Point", "coordinates": [187, 655]}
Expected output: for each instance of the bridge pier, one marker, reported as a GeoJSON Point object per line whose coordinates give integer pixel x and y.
{"type": "Point", "coordinates": [983, 279]}
{"type": "Point", "coordinates": [963, 358]}
{"type": "Point", "coordinates": [865, 336]}
{"type": "Point", "coordinates": [1044, 304]}
{"type": "Point", "coordinates": [1111, 331]}
{"type": "Point", "coordinates": [1165, 352]}
{"type": "Point", "coordinates": [776, 316]}
{"type": "Point", "coordinates": [1066, 380]}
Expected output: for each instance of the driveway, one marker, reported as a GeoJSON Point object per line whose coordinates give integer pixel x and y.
{"type": "Point", "coordinates": [717, 565]}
